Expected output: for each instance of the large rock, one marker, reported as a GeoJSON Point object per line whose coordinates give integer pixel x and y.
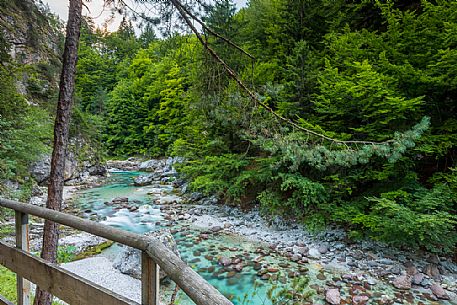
{"type": "Point", "coordinates": [148, 179]}
{"type": "Point", "coordinates": [151, 165]}
{"type": "Point", "coordinates": [97, 170]}
{"type": "Point", "coordinates": [74, 170]}
{"type": "Point", "coordinates": [129, 260]}
{"type": "Point", "coordinates": [432, 271]}
{"type": "Point", "coordinates": [333, 296]}
{"type": "Point", "coordinates": [40, 169]}
{"type": "Point", "coordinates": [124, 165]}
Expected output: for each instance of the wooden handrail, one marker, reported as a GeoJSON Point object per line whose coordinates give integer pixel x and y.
{"type": "Point", "coordinates": [199, 290]}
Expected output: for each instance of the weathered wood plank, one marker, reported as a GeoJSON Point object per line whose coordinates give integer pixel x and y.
{"type": "Point", "coordinates": [124, 237]}
{"type": "Point", "coordinates": [4, 301]}
{"type": "Point", "coordinates": [22, 243]}
{"type": "Point", "coordinates": [65, 285]}
{"type": "Point", "coordinates": [150, 281]}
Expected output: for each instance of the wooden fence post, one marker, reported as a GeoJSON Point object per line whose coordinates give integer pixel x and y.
{"type": "Point", "coordinates": [22, 242]}
{"type": "Point", "coordinates": [150, 280]}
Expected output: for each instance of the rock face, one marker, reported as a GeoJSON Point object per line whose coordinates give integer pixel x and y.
{"type": "Point", "coordinates": [333, 296]}
{"type": "Point", "coordinates": [129, 260]}
{"type": "Point", "coordinates": [40, 169]}
{"type": "Point", "coordinates": [74, 170]}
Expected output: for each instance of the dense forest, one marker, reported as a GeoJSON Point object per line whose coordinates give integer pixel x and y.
{"type": "Point", "coordinates": [362, 131]}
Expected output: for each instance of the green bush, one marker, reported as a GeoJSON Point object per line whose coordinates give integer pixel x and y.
{"type": "Point", "coordinates": [8, 284]}
{"type": "Point", "coordinates": [425, 219]}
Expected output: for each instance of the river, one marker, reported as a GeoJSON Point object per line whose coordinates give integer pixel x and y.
{"type": "Point", "coordinates": [263, 273]}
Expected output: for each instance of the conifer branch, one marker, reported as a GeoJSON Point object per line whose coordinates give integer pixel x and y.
{"type": "Point", "coordinates": [186, 16]}
{"type": "Point", "coordinates": [215, 34]}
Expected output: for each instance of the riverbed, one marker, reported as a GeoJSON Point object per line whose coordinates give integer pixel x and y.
{"type": "Point", "coordinates": [251, 262]}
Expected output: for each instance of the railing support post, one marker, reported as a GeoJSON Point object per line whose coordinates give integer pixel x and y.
{"type": "Point", "coordinates": [150, 280]}
{"type": "Point", "coordinates": [22, 242]}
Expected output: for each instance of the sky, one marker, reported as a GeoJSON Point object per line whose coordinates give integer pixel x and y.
{"type": "Point", "coordinates": [100, 15]}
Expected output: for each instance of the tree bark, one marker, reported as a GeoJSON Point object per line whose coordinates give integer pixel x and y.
{"type": "Point", "coordinates": [61, 133]}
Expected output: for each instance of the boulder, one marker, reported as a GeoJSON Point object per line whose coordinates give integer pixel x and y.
{"type": "Point", "coordinates": [301, 250]}
{"type": "Point", "coordinates": [323, 249]}
{"type": "Point", "coordinates": [151, 165]}
{"type": "Point", "coordinates": [119, 200]}
{"type": "Point", "coordinates": [40, 169]}
{"type": "Point", "coordinates": [97, 170]}
{"type": "Point", "coordinates": [170, 162]}
{"type": "Point", "coordinates": [125, 165]}
{"type": "Point", "coordinates": [143, 180]}
{"type": "Point", "coordinates": [432, 271]}
{"type": "Point", "coordinates": [360, 299]}
{"type": "Point", "coordinates": [128, 260]}
{"type": "Point", "coordinates": [333, 296]}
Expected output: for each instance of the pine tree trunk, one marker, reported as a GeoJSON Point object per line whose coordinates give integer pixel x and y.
{"type": "Point", "coordinates": [61, 131]}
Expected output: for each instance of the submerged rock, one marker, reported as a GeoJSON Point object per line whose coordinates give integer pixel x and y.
{"type": "Point", "coordinates": [129, 260]}
{"type": "Point", "coordinates": [225, 261]}
{"type": "Point", "coordinates": [119, 200]}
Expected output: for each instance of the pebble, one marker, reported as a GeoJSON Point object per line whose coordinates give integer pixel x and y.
{"type": "Point", "coordinates": [359, 299]}
{"type": "Point", "coordinates": [272, 269]}
{"type": "Point", "coordinates": [323, 249]}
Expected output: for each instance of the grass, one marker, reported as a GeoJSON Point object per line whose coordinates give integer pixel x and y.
{"type": "Point", "coordinates": [6, 231]}
{"type": "Point", "coordinates": [8, 284]}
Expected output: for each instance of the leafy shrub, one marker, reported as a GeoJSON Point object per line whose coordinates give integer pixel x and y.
{"type": "Point", "coordinates": [425, 219]}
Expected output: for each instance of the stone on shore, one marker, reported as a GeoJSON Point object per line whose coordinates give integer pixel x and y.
{"type": "Point", "coordinates": [129, 260]}
{"type": "Point", "coordinates": [439, 292]}
{"type": "Point", "coordinates": [402, 282]}
{"type": "Point", "coordinates": [333, 296]}
{"type": "Point", "coordinates": [144, 180]}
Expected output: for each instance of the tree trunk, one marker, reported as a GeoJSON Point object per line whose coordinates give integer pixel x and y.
{"type": "Point", "coordinates": [61, 131]}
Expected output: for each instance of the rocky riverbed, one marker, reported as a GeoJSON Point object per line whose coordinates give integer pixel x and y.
{"type": "Point", "coordinates": [237, 248]}
{"type": "Point", "coordinates": [341, 272]}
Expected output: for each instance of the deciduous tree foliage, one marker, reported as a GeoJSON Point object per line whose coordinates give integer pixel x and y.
{"type": "Point", "coordinates": [349, 70]}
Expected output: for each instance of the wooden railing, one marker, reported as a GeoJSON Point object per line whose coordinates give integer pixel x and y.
{"type": "Point", "coordinates": [75, 290]}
